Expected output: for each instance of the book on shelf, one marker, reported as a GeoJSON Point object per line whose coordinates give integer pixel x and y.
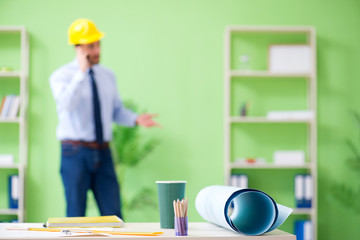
{"type": "Point", "coordinates": [84, 222]}
{"type": "Point", "coordinates": [2, 104]}
{"type": "Point", "coordinates": [5, 107]}
{"type": "Point", "coordinates": [14, 109]}
{"type": "Point", "coordinates": [9, 107]}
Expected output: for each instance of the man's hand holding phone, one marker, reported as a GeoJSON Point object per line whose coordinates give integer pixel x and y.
{"type": "Point", "coordinates": [82, 58]}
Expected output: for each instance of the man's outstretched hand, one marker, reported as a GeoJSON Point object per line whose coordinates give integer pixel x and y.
{"type": "Point", "coordinates": [146, 120]}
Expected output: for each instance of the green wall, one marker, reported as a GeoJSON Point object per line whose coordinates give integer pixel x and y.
{"type": "Point", "coordinates": [168, 57]}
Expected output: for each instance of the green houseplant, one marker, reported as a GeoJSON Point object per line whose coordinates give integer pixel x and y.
{"type": "Point", "coordinates": [130, 148]}
{"type": "Point", "coordinates": [347, 195]}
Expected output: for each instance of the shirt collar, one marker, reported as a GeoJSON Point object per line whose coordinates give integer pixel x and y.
{"type": "Point", "coordinates": [76, 64]}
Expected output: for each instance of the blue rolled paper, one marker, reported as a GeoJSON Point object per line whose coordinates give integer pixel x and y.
{"type": "Point", "coordinates": [244, 210]}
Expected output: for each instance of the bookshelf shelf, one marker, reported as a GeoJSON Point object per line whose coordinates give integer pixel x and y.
{"type": "Point", "coordinates": [270, 93]}
{"type": "Point", "coordinates": [9, 29]}
{"type": "Point", "coordinates": [9, 211]}
{"type": "Point", "coordinates": [20, 75]}
{"type": "Point", "coordinates": [269, 29]}
{"type": "Point", "coordinates": [303, 211]}
{"type": "Point", "coordinates": [267, 120]}
{"type": "Point", "coordinates": [268, 166]}
{"type": "Point", "coordinates": [10, 74]}
{"type": "Point", "coordinates": [267, 74]}
{"type": "Point", "coordinates": [10, 166]}
{"type": "Point", "coordinates": [10, 120]}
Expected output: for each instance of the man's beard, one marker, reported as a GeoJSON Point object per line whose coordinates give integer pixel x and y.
{"type": "Point", "coordinates": [94, 60]}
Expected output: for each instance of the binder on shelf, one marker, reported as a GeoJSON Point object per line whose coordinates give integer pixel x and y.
{"type": "Point", "coordinates": [308, 230]}
{"type": "Point", "coordinates": [13, 191]}
{"type": "Point", "coordinates": [303, 191]}
{"type": "Point", "coordinates": [233, 180]}
{"type": "Point", "coordinates": [299, 191]}
{"type": "Point", "coordinates": [243, 181]}
{"type": "Point", "coordinates": [299, 229]}
{"type": "Point", "coordinates": [303, 230]}
{"type": "Point", "coordinates": [308, 191]}
{"type": "Point", "coordinates": [239, 180]}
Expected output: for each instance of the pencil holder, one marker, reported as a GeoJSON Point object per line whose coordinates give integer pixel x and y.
{"type": "Point", "coordinates": [181, 226]}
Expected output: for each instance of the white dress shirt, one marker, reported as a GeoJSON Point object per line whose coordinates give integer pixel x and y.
{"type": "Point", "coordinates": [72, 92]}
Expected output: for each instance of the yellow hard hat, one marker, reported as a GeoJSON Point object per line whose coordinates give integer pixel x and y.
{"type": "Point", "coordinates": [83, 31]}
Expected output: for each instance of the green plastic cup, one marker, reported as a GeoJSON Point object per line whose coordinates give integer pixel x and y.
{"type": "Point", "coordinates": [168, 191]}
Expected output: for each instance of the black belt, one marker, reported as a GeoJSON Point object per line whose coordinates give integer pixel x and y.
{"type": "Point", "coordinates": [92, 145]}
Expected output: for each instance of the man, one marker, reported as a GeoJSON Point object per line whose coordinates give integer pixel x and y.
{"type": "Point", "coordinates": [87, 103]}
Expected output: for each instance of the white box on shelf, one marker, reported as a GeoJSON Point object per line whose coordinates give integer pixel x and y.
{"type": "Point", "coordinates": [293, 158]}
{"type": "Point", "coordinates": [290, 58]}
{"type": "Point", "coordinates": [278, 115]}
{"type": "Point", "coordinates": [6, 159]}
{"type": "Point", "coordinates": [302, 115]}
{"type": "Point", "coordinates": [290, 115]}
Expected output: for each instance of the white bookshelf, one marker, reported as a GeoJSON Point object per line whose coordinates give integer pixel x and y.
{"type": "Point", "coordinates": [230, 121]}
{"type": "Point", "coordinates": [20, 75]}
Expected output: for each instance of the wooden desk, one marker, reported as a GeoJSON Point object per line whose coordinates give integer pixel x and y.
{"type": "Point", "coordinates": [196, 231]}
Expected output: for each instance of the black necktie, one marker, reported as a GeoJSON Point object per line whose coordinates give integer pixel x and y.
{"type": "Point", "coordinates": [97, 110]}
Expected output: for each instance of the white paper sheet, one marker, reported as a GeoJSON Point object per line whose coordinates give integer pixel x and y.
{"type": "Point", "coordinates": [248, 211]}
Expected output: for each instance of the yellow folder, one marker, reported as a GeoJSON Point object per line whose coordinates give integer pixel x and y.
{"type": "Point", "coordinates": [90, 222]}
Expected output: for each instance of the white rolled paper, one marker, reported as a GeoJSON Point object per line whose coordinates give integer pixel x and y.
{"type": "Point", "coordinates": [248, 211]}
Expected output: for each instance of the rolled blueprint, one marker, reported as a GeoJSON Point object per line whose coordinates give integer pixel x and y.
{"type": "Point", "coordinates": [247, 211]}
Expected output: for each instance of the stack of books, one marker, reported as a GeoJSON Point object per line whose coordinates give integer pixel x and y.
{"type": "Point", "coordinates": [9, 106]}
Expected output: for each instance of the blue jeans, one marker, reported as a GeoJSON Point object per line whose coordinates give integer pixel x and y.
{"type": "Point", "coordinates": [83, 168]}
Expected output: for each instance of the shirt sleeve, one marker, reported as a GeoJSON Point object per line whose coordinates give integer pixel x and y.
{"type": "Point", "coordinates": [66, 88]}
{"type": "Point", "coordinates": [122, 115]}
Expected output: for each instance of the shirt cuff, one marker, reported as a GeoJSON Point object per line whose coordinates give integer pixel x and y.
{"type": "Point", "coordinates": [134, 118]}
